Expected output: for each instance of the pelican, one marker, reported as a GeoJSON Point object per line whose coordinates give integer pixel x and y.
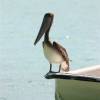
{"type": "Point", "coordinates": [53, 52]}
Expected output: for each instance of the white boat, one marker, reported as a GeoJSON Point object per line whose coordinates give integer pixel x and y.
{"type": "Point", "coordinates": [81, 84]}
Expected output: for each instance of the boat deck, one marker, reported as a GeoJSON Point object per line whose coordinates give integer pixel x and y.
{"type": "Point", "coordinates": [89, 71]}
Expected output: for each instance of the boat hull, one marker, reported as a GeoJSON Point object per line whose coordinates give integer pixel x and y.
{"type": "Point", "coordinates": [76, 90]}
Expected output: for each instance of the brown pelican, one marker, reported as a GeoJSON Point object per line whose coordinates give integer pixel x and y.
{"type": "Point", "coordinates": [54, 52]}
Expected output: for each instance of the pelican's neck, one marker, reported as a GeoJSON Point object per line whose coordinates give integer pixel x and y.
{"type": "Point", "coordinates": [47, 40]}
{"type": "Point", "coordinates": [46, 37]}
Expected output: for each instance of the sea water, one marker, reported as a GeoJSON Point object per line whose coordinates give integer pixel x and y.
{"type": "Point", "coordinates": [22, 65]}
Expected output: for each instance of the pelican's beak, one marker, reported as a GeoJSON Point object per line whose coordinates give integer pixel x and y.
{"type": "Point", "coordinates": [47, 21]}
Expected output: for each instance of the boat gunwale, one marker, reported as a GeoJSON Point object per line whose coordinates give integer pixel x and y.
{"type": "Point", "coordinates": [69, 76]}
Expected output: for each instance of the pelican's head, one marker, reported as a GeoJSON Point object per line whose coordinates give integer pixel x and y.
{"type": "Point", "coordinates": [46, 24]}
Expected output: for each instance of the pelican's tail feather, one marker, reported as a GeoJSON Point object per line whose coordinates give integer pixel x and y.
{"type": "Point", "coordinates": [65, 66]}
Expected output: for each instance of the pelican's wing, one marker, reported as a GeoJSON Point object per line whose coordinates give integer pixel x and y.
{"type": "Point", "coordinates": [61, 50]}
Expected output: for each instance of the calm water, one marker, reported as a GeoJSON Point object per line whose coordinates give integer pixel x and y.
{"type": "Point", "coordinates": [23, 66]}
